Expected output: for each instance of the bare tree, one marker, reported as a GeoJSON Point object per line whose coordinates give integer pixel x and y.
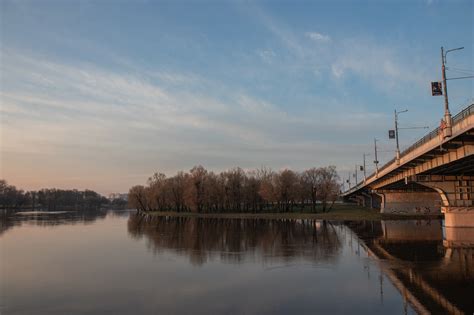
{"type": "Point", "coordinates": [158, 191]}
{"type": "Point", "coordinates": [310, 181]}
{"type": "Point", "coordinates": [286, 184]}
{"type": "Point", "coordinates": [177, 186]}
{"type": "Point", "coordinates": [236, 190]}
{"type": "Point", "coordinates": [137, 198]}
{"type": "Point", "coordinates": [328, 186]}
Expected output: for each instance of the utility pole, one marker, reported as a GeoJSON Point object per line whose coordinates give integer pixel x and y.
{"type": "Point", "coordinates": [376, 162]}
{"type": "Point", "coordinates": [355, 174]}
{"type": "Point", "coordinates": [365, 173]}
{"type": "Point", "coordinates": [396, 132]}
{"type": "Point", "coordinates": [447, 131]}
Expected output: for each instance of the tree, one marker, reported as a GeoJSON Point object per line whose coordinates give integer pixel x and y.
{"type": "Point", "coordinates": [267, 189]}
{"type": "Point", "coordinates": [286, 187]}
{"type": "Point", "coordinates": [235, 190]}
{"type": "Point", "coordinates": [137, 198]}
{"type": "Point", "coordinates": [309, 185]}
{"type": "Point", "coordinates": [177, 185]}
{"type": "Point", "coordinates": [195, 188]}
{"type": "Point", "coordinates": [158, 190]}
{"type": "Point", "coordinates": [328, 186]}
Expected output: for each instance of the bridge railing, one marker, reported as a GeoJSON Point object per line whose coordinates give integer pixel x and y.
{"type": "Point", "coordinates": [432, 134]}
{"type": "Point", "coordinates": [463, 114]}
{"type": "Point", "coordinates": [435, 133]}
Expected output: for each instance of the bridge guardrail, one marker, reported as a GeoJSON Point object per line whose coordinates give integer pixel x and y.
{"type": "Point", "coordinates": [433, 134]}
{"type": "Point", "coordinates": [456, 119]}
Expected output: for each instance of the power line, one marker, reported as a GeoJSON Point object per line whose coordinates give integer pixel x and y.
{"type": "Point", "coordinates": [459, 78]}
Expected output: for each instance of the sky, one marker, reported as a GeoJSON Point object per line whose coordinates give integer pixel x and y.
{"type": "Point", "coordinates": [101, 94]}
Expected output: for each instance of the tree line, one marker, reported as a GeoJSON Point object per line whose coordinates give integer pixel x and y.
{"type": "Point", "coordinates": [236, 190]}
{"type": "Point", "coordinates": [52, 199]}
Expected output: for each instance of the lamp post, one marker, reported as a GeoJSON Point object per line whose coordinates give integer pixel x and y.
{"type": "Point", "coordinates": [365, 173]}
{"type": "Point", "coordinates": [376, 162]}
{"type": "Point", "coordinates": [355, 174]}
{"type": "Point", "coordinates": [396, 132]}
{"type": "Point", "coordinates": [447, 131]}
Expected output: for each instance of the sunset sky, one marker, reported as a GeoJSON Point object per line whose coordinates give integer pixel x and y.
{"type": "Point", "coordinates": [100, 94]}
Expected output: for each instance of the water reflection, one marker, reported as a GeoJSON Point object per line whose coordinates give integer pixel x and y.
{"type": "Point", "coordinates": [235, 240]}
{"type": "Point", "coordinates": [109, 262]}
{"type": "Point", "coordinates": [9, 220]}
{"type": "Point", "coordinates": [432, 265]}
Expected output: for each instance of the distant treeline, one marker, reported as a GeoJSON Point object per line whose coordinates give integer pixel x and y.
{"type": "Point", "coordinates": [53, 199]}
{"type": "Point", "coordinates": [236, 190]}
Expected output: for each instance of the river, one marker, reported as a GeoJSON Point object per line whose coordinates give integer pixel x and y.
{"type": "Point", "coordinates": [118, 262]}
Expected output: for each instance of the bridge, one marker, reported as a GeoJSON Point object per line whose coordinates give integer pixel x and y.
{"type": "Point", "coordinates": [434, 175]}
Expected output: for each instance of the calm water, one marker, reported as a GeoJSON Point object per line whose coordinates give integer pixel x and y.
{"type": "Point", "coordinates": [121, 263]}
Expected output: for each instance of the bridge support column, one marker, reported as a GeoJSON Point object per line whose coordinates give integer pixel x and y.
{"type": "Point", "coordinates": [367, 200]}
{"type": "Point", "coordinates": [360, 200]}
{"type": "Point", "coordinates": [458, 216]}
{"type": "Point", "coordinates": [457, 195]}
{"type": "Point", "coordinates": [410, 203]}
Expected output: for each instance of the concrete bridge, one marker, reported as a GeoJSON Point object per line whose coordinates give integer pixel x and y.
{"type": "Point", "coordinates": [435, 175]}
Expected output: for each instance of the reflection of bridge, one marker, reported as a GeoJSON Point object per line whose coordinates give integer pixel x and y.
{"type": "Point", "coordinates": [434, 175]}
{"type": "Point", "coordinates": [434, 273]}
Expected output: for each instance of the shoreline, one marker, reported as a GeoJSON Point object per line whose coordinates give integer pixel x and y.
{"type": "Point", "coordinates": [343, 213]}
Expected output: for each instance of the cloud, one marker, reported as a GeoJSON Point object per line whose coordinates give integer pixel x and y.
{"type": "Point", "coordinates": [80, 121]}
{"type": "Point", "coordinates": [277, 28]}
{"type": "Point", "coordinates": [318, 37]}
{"type": "Point", "coordinates": [381, 66]}
{"type": "Point", "coordinates": [267, 55]}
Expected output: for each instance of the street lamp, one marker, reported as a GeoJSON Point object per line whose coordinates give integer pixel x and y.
{"type": "Point", "coordinates": [365, 173]}
{"type": "Point", "coordinates": [396, 132]}
{"type": "Point", "coordinates": [447, 131]}
{"type": "Point", "coordinates": [376, 162]}
{"type": "Point", "coordinates": [355, 175]}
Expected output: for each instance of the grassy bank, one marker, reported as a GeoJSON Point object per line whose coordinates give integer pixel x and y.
{"type": "Point", "coordinates": [338, 212]}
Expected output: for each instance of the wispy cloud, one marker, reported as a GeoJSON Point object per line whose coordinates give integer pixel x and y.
{"type": "Point", "coordinates": [79, 113]}
{"type": "Point", "coordinates": [318, 37]}
{"type": "Point", "coordinates": [267, 55]}
{"type": "Point", "coordinates": [378, 64]}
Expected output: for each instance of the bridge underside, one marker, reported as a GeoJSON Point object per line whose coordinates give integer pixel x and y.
{"type": "Point", "coordinates": [448, 189]}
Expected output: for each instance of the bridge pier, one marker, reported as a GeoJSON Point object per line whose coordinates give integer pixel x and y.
{"type": "Point", "coordinates": [457, 194]}
{"type": "Point", "coordinates": [410, 202]}
{"type": "Point", "coordinates": [458, 216]}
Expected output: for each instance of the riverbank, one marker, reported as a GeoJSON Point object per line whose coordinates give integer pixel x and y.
{"type": "Point", "coordinates": [341, 212]}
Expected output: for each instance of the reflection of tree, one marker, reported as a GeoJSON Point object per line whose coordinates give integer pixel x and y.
{"type": "Point", "coordinates": [233, 240]}
{"type": "Point", "coordinates": [5, 222]}
{"type": "Point", "coordinates": [9, 220]}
